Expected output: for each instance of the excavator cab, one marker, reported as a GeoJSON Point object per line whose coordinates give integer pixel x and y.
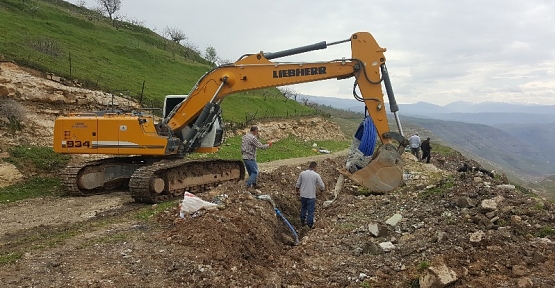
{"type": "Point", "coordinates": [214, 136]}
{"type": "Point", "coordinates": [170, 102]}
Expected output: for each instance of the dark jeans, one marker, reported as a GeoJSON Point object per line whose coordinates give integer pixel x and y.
{"type": "Point", "coordinates": [307, 210]}
{"type": "Point", "coordinates": [415, 152]}
{"type": "Point", "coordinates": [426, 155]}
{"type": "Point", "coordinates": [252, 169]}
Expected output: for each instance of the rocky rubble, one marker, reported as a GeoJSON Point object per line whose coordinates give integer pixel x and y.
{"type": "Point", "coordinates": [307, 129]}
{"type": "Point", "coordinates": [31, 86]}
{"type": "Point", "coordinates": [447, 229]}
{"type": "Point", "coordinates": [422, 235]}
{"type": "Point", "coordinates": [41, 100]}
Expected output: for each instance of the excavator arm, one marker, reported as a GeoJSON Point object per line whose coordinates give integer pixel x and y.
{"type": "Point", "coordinates": [256, 71]}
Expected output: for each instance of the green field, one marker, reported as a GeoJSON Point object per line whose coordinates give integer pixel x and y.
{"type": "Point", "coordinates": [283, 149]}
{"type": "Point", "coordinates": [76, 43]}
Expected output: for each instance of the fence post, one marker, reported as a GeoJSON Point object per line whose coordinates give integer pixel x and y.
{"type": "Point", "coordinates": [70, 75]}
{"type": "Point", "coordinates": [142, 91]}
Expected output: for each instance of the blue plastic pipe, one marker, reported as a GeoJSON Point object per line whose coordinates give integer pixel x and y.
{"type": "Point", "coordinates": [278, 213]}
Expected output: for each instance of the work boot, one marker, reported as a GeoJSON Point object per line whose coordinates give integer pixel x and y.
{"type": "Point", "coordinates": [256, 186]}
{"type": "Point", "coordinates": [303, 222]}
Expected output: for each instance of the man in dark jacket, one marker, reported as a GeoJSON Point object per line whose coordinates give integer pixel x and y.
{"type": "Point", "coordinates": [426, 149]}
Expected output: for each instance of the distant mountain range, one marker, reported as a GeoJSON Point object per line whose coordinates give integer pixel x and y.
{"type": "Point", "coordinates": [488, 113]}
{"type": "Point", "coordinates": [517, 137]}
{"type": "Point", "coordinates": [517, 154]}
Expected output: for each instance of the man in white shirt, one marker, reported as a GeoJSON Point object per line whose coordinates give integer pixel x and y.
{"type": "Point", "coordinates": [306, 186]}
{"type": "Point", "coordinates": [414, 142]}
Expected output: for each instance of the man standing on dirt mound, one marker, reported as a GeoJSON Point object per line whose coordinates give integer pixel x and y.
{"type": "Point", "coordinates": [306, 186]}
{"type": "Point", "coordinates": [426, 150]}
{"type": "Point", "coordinates": [249, 144]}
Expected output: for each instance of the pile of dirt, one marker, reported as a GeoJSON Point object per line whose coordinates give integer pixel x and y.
{"type": "Point", "coordinates": [480, 230]}
{"type": "Point", "coordinates": [465, 228]}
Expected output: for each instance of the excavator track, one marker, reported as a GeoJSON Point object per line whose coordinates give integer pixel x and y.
{"type": "Point", "coordinates": [169, 179]}
{"type": "Point", "coordinates": [75, 180]}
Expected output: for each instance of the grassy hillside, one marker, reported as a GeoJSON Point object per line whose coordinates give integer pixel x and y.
{"type": "Point", "coordinates": [113, 59]}
{"type": "Point", "coordinates": [76, 43]}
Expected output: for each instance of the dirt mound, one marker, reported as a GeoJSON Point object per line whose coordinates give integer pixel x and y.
{"type": "Point", "coordinates": [445, 223]}
{"type": "Point", "coordinates": [475, 229]}
{"type": "Point", "coordinates": [308, 129]}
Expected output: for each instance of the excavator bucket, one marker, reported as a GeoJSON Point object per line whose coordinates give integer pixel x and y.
{"type": "Point", "coordinates": [383, 174]}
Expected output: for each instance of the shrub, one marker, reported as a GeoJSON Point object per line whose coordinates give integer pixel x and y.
{"type": "Point", "coordinates": [12, 115]}
{"type": "Point", "coordinates": [545, 231]}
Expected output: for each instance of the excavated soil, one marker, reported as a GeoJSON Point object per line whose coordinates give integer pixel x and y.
{"type": "Point", "coordinates": [245, 245]}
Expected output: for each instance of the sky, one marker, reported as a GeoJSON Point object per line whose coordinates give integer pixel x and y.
{"type": "Point", "coordinates": [438, 51]}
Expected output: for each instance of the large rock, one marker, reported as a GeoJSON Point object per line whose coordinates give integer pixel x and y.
{"type": "Point", "coordinates": [489, 205]}
{"type": "Point", "coordinates": [378, 230]}
{"type": "Point", "coordinates": [387, 246]}
{"type": "Point", "coordinates": [477, 236]}
{"type": "Point", "coordinates": [464, 202]}
{"type": "Point", "coordinates": [4, 91]}
{"type": "Point", "coordinates": [9, 174]}
{"type": "Point", "coordinates": [437, 277]}
{"type": "Point", "coordinates": [393, 220]}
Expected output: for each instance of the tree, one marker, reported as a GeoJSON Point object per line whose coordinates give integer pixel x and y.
{"type": "Point", "coordinates": [81, 3]}
{"type": "Point", "coordinates": [305, 101]}
{"type": "Point", "coordinates": [225, 61]}
{"type": "Point", "coordinates": [191, 51]}
{"type": "Point", "coordinates": [289, 93]}
{"type": "Point", "coordinates": [33, 9]}
{"type": "Point", "coordinates": [110, 7]}
{"type": "Point", "coordinates": [175, 34]}
{"type": "Point", "coordinates": [211, 55]}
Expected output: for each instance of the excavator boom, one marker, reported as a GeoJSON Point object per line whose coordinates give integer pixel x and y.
{"type": "Point", "coordinates": [195, 125]}
{"type": "Point", "coordinates": [256, 71]}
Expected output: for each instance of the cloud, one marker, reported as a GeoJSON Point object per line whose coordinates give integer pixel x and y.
{"type": "Point", "coordinates": [438, 51]}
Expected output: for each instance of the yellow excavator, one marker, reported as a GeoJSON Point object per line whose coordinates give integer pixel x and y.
{"type": "Point", "coordinates": [154, 168]}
